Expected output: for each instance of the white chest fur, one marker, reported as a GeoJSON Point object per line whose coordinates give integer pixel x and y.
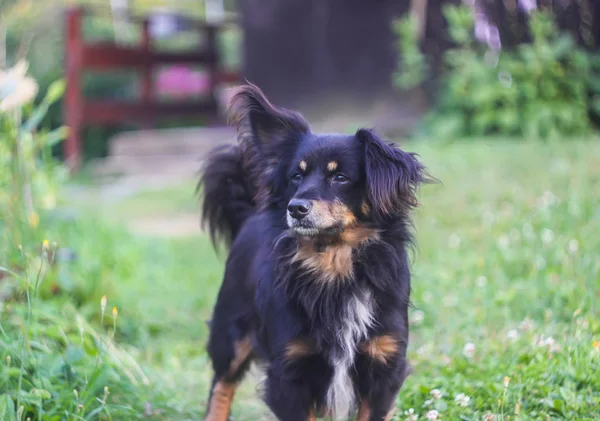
{"type": "Point", "coordinates": [356, 323]}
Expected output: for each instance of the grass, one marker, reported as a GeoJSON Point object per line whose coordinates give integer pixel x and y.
{"type": "Point", "coordinates": [506, 289]}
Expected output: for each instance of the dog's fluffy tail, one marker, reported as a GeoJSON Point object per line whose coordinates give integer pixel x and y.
{"type": "Point", "coordinates": [227, 194]}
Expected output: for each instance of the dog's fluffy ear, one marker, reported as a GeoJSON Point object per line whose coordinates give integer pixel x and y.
{"type": "Point", "coordinates": [392, 176]}
{"type": "Point", "coordinates": [265, 133]}
{"type": "Point", "coordinates": [259, 121]}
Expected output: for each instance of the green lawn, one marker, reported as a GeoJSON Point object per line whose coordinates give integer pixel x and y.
{"type": "Point", "coordinates": [506, 288]}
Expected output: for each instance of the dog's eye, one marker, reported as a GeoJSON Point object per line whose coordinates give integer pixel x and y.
{"type": "Point", "coordinates": [296, 177]}
{"type": "Point", "coordinates": [340, 178]}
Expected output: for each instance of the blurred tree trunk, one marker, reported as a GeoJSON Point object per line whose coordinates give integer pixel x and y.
{"type": "Point", "coordinates": [308, 51]}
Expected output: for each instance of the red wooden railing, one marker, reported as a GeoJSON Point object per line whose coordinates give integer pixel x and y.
{"type": "Point", "coordinates": [103, 56]}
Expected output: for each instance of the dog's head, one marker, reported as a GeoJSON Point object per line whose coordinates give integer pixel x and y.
{"type": "Point", "coordinates": [326, 183]}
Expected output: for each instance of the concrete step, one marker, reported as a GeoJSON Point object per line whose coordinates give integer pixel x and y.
{"type": "Point", "coordinates": [180, 141]}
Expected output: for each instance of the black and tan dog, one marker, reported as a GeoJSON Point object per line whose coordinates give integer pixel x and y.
{"type": "Point", "coordinates": [317, 281]}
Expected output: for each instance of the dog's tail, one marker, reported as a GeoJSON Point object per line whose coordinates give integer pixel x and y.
{"type": "Point", "coordinates": [227, 194]}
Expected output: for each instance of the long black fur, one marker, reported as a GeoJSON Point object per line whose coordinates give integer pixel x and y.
{"type": "Point", "coordinates": [270, 298]}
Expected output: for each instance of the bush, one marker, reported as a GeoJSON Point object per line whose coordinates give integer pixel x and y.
{"type": "Point", "coordinates": [543, 89]}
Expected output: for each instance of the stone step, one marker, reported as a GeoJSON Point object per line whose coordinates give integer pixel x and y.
{"type": "Point", "coordinates": [164, 165]}
{"type": "Point", "coordinates": [180, 141]}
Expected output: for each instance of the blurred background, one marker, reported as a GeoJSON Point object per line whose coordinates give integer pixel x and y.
{"type": "Point", "coordinates": [107, 108]}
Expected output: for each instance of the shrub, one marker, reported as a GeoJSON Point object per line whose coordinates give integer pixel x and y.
{"type": "Point", "coordinates": [545, 89]}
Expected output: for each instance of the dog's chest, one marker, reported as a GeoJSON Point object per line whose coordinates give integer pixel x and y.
{"type": "Point", "coordinates": [351, 329]}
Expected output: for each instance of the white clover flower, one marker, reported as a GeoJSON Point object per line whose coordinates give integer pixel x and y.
{"type": "Point", "coordinates": [481, 281]}
{"type": "Point", "coordinates": [411, 415]}
{"type": "Point", "coordinates": [573, 246]}
{"type": "Point", "coordinates": [450, 300]}
{"type": "Point", "coordinates": [16, 89]}
{"type": "Point", "coordinates": [454, 241]}
{"type": "Point", "coordinates": [422, 351]}
{"type": "Point", "coordinates": [436, 393]}
{"type": "Point", "coordinates": [547, 236]}
{"type": "Point", "coordinates": [503, 242]}
{"type": "Point", "coordinates": [488, 217]}
{"type": "Point", "coordinates": [540, 262]}
{"type": "Point", "coordinates": [548, 199]}
{"type": "Point", "coordinates": [462, 400]}
{"type": "Point", "coordinates": [512, 335]}
{"type": "Point", "coordinates": [433, 415]}
{"type": "Point", "coordinates": [548, 343]}
{"type": "Point", "coordinates": [526, 324]}
{"type": "Point", "coordinates": [469, 350]}
{"type": "Point", "coordinates": [488, 416]}
{"type": "Point", "coordinates": [528, 230]}
{"type": "Point", "coordinates": [417, 317]}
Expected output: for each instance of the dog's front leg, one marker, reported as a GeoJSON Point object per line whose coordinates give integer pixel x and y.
{"type": "Point", "coordinates": [381, 370]}
{"type": "Point", "coordinates": [288, 394]}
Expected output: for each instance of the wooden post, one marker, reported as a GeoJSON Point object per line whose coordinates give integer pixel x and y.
{"type": "Point", "coordinates": [147, 77]}
{"type": "Point", "coordinates": [419, 10]}
{"type": "Point", "coordinates": [213, 63]}
{"type": "Point", "coordinates": [73, 104]}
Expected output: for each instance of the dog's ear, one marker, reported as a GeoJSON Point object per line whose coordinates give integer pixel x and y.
{"type": "Point", "coordinates": [266, 136]}
{"type": "Point", "coordinates": [392, 176]}
{"type": "Point", "coordinates": [260, 122]}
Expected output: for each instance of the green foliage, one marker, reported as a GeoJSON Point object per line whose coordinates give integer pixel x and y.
{"type": "Point", "coordinates": [547, 88]}
{"type": "Point", "coordinates": [29, 177]}
{"type": "Point", "coordinates": [56, 366]}
{"type": "Point", "coordinates": [412, 61]}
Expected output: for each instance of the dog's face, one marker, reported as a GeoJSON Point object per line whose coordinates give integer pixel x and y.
{"type": "Point", "coordinates": [326, 184]}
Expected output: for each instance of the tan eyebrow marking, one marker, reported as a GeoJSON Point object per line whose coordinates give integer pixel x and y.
{"type": "Point", "coordinates": [303, 165]}
{"type": "Point", "coordinates": [332, 166]}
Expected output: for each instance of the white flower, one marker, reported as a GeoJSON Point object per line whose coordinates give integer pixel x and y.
{"type": "Point", "coordinates": [527, 230]}
{"type": "Point", "coordinates": [540, 262]}
{"type": "Point", "coordinates": [487, 217]}
{"type": "Point", "coordinates": [432, 415]}
{"type": "Point", "coordinates": [469, 350]}
{"type": "Point", "coordinates": [573, 246]}
{"type": "Point", "coordinates": [450, 301]}
{"type": "Point", "coordinates": [454, 241]}
{"type": "Point", "coordinates": [410, 415]}
{"type": "Point", "coordinates": [548, 342]}
{"type": "Point", "coordinates": [547, 236]}
{"type": "Point", "coordinates": [417, 317]}
{"type": "Point", "coordinates": [488, 416]}
{"type": "Point", "coordinates": [428, 402]}
{"type": "Point", "coordinates": [503, 242]}
{"type": "Point", "coordinates": [526, 324]}
{"type": "Point", "coordinates": [462, 399]}
{"type": "Point", "coordinates": [422, 351]}
{"type": "Point", "coordinates": [512, 334]}
{"type": "Point", "coordinates": [481, 281]}
{"type": "Point", "coordinates": [16, 89]}
{"type": "Point", "coordinates": [548, 199]}
{"type": "Point", "coordinates": [436, 393]}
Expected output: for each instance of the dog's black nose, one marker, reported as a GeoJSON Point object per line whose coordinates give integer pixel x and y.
{"type": "Point", "coordinates": [299, 208]}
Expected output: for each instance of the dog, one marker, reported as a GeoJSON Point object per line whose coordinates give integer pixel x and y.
{"type": "Point", "coordinates": [317, 280]}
